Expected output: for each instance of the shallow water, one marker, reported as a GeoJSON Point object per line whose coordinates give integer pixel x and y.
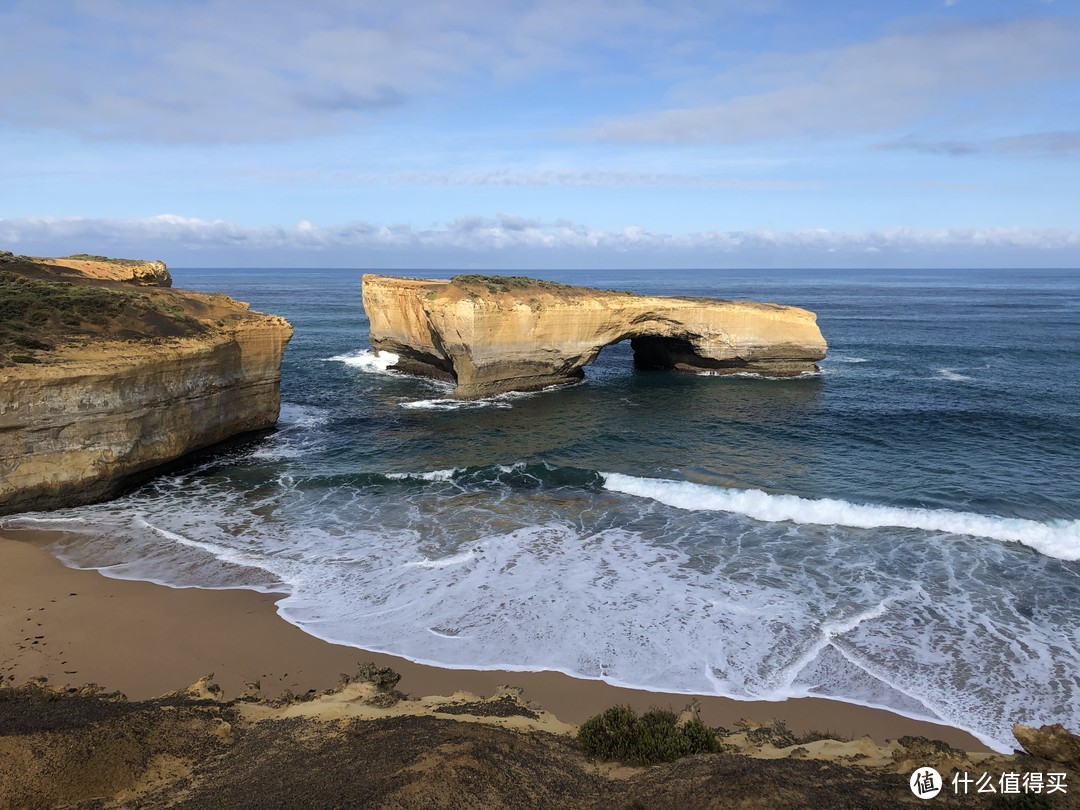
{"type": "Point", "coordinates": [902, 530]}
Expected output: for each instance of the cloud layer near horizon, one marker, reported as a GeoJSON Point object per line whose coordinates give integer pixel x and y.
{"type": "Point", "coordinates": [505, 240]}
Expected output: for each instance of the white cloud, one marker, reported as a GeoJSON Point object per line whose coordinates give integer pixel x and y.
{"type": "Point", "coordinates": [252, 70]}
{"type": "Point", "coordinates": [506, 240]}
{"type": "Point", "coordinates": [559, 178]}
{"type": "Point", "coordinates": [1065, 144]}
{"type": "Point", "coordinates": [870, 87]}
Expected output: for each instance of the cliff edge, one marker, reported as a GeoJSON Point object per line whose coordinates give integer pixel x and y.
{"type": "Point", "coordinates": [134, 271]}
{"type": "Point", "coordinates": [492, 334]}
{"type": "Point", "coordinates": [102, 381]}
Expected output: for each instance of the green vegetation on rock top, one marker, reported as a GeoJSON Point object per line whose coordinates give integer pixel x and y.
{"type": "Point", "coordinates": [88, 257]}
{"type": "Point", "coordinates": [524, 284]}
{"type": "Point", "coordinates": [498, 284]}
{"type": "Point", "coordinates": [92, 258]}
{"type": "Point", "coordinates": [36, 314]}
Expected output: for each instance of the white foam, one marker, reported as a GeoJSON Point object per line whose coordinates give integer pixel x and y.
{"type": "Point", "coordinates": [433, 475]}
{"type": "Point", "coordinates": [38, 522]}
{"type": "Point", "coordinates": [445, 562]}
{"type": "Point", "coordinates": [503, 400]}
{"type": "Point", "coordinates": [302, 416]}
{"type": "Point", "coordinates": [453, 404]}
{"type": "Point", "coordinates": [849, 359]}
{"type": "Point", "coordinates": [953, 376]}
{"type": "Point", "coordinates": [441, 634]}
{"type": "Point", "coordinates": [277, 451]}
{"type": "Point", "coordinates": [223, 553]}
{"type": "Point", "coordinates": [1059, 539]}
{"type": "Point", "coordinates": [371, 361]}
{"type": "Point", "coordinates": [753, 375]}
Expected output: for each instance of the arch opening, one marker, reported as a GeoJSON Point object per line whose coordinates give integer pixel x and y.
{"type": "Point", "coordinates": [615, 360]}
{"type": "Point", "coordinates": [653, 353]}
{"type": "Point", "coordinates": [656, 353]}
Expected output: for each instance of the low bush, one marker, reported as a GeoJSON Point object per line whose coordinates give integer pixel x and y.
{"type": "Point", "coordinates": [620, 734]}
{"type": "Point", "coordinates": [39, 313]}
{"type": "Point", "coordinates": [501, 284]}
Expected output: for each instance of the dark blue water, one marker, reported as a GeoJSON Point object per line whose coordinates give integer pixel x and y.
{"type": "Point", "coordinates": [902, 530]}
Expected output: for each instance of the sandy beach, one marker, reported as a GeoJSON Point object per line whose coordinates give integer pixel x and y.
{"type": "Point", "coordinates": [78, 627]}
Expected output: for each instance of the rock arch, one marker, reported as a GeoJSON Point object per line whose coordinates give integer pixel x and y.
{"type": "Point", "coordinates": [492, 334]}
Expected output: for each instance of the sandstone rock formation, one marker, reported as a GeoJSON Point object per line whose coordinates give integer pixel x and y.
{"type": "Point", "coordinates": [495, 334]}
{"type": "Point", "coordinates": [1052, 742]}
{"type": "Point", "coordinates": [134, 271]}
{"type": "Point", "coordinates": [150, 375]}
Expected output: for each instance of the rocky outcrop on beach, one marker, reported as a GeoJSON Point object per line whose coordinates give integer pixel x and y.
{"type": "Point", "coordinates": [493, 334]}
{"type": "Point", "coordinates": [102, 382]}
{"type": "Point", "coordinates": [1053, 742]}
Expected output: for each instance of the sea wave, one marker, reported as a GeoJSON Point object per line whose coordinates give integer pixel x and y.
{"type": "Point", "coordinates": [445, 562]}
{"type": "Point", "coordinates": [452, 404]}
{"type": "Point", "coordinates": [370, 360]}
{"type": "Point", "coordinates": [521, 474]}
{"type": "Point", "coordinates": [752, 375]}
{"type": "Point", "coordinates": [433, 475]}
{"type": "Point", "coordinates": [503, 400]}
{"type": "Point", "coordinates": [1060, 539]}
{"type": "Point", "coordinates": [531, 566]}
{"type": "Point", "coordinates": [952, 375]}
{"type": "Point", "coordinates": [29, 521]}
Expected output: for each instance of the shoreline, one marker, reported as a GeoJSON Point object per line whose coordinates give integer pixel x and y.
{"type": "Point", "coordinates": [144, 639]}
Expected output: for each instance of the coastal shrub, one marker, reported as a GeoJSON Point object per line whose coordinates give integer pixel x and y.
{"type": "Point", "coordinates": [29, 343]}
{"type": "Point", "coordinates": [29, 301]}
{"type": "Point", "coordinates": [37, 313]}
{"type": "Point", "coordinates": [89, 257]}
{"type": "Point", "coordinates": [499, 284]}
{"type": "Point", "coordinates": [619, 734]}
{"type": "Point", "coordinates": [167, 308]}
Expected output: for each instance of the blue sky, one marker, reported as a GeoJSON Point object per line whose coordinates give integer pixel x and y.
{"type": "Point", "coordinates": [516, 135]}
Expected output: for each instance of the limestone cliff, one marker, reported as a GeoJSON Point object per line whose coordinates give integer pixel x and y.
{"type": "Point", "coordinates": [135, 271]}
{"type": "Point", "coordinates": [496, 334]}
{"type": "Point", "coordinates": [101, 382]}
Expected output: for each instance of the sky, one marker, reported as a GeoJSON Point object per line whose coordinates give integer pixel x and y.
{"type": "Point", "coordinates": [505, 135]}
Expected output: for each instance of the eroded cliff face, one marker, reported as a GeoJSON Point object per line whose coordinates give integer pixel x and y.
{"type": "Point", "coordinates": [134, 271]}
{"type": "Point", "coordinates": [85, 418]}
{"type": "Point", "coordinates": [491, 335]}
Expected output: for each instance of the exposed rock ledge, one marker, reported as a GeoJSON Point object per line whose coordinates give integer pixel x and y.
{"type": "Point", "coordinates": [101, 382]}
{"type": "Point", "coordinates": [135, 271]}
{"type": "Point", "coordinates": [495, 334]}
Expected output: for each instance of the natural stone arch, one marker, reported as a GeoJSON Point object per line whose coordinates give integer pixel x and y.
{"type": "Point", "coordinates": [495, 334]}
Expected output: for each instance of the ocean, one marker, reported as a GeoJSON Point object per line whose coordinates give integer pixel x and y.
{"type": "Point", "coordinates": [901, 530]}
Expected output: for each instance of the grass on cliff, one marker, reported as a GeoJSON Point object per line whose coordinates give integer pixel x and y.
{"type": "Point", "coordinates": [620, 734]}
{"type": "Point", "coordinates": [90, 257]}
{"type": "Point", "coordinates": [36, 314]}
{"type": "Point", "coordinates": [501, 284]}
{"type": "Point", "coordinates": [525, 284]}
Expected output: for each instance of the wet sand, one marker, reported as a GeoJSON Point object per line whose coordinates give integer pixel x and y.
{"type": "Point", "coordinates": [77, 627]}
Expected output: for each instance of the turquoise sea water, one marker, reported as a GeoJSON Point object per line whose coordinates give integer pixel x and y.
{"type": "Point", "coordinates": [902, 530]}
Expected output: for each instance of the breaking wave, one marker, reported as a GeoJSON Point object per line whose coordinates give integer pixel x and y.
{"type": "Point", "coordinates": [369, 360]}
{"type": "Point", "coordinates": [1060, 539]}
